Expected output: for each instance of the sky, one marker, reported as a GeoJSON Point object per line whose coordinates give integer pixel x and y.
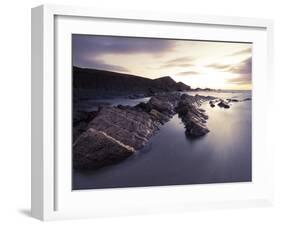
{"type": "Point", "coordinates": [204, 64]}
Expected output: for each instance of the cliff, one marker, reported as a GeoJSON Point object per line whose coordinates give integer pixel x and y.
{"type": "Point", "coordinates": [101, 82]}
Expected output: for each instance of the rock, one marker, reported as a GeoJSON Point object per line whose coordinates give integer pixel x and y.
{"type": "Point", "coordinates": [196, 130]}
{"type": "Point", "coordinates": [127, 125]}
{"type": "Point", "coordinates": [247, 99]}
{"type": "Point", "coordinates": [161, 106]}
{"type": "Point", "coordinates": [201, 110]}
{"type": "Point", "coordinates": [94, 149]}
{"type": "Point", "coordinates": [199, 99]}
{"type": "Point", "coordinates": [162, 118]}
{"type": "Point", "coordinates": [182, 87]}
{"type": "Point", "coordinates": [143, 107]}
{"type": "Point", "coordinates": [223, 104]}
{"type": "Point", "coordinates": [114, 133]}
{"type": "Point", "coordinates": [232, 100]}
{"type": "Point", "coordinates": [212, 103]}
{"type": "Point", "coordinates": [80, 122]}
{"type": "Point", "coordinates": [164, 104]}
{"type": "Point", "coordinates": [193, 118]}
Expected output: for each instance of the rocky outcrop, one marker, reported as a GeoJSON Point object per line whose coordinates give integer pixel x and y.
{"type": "Point", "coordinates": [226, 103]}
{"type": "Point", "coordinates": [164, 103]}
{"type": "Point", "coordinates": [125, 124]}
{"type": "Point", "coordinates": [158, 116]}
{"type": "Point", "coordinates": [114, 133]}
{"type": "Point", "coordinates": [182, 87]}
{"type": "Point", "coordinates": [94, 149]}
{"type": "Point", "coordinates": [111, 136]}
{"type": "Point", "coordinates": [212, 104]}
{"type": "Point", "coordinates": [192, 116]}
{"type": "Point", "coordinates": [223, 104]}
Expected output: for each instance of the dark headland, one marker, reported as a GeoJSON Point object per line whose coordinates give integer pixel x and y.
{"type": "Point", "coordinates": [106, 83]}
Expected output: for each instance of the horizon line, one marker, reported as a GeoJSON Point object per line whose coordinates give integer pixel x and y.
{"type": "Point", "coordinates": [125, 73]}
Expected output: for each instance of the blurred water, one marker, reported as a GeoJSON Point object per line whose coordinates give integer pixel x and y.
{"type": "Point", "coordinates": [92, 104]}
{"type": "Point", "coordinates": [222, 155]}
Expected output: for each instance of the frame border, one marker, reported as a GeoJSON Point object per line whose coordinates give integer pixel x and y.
{"type": "Point", "coordinates": [43, 123]}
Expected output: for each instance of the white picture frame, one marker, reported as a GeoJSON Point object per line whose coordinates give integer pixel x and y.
{"type": "Point", "coordinates": [51, 196]}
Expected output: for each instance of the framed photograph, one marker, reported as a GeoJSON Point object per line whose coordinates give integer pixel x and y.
{"type": "Point", "coordinates": [137, 112]}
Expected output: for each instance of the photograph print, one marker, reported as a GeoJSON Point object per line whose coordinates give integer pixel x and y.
{"type": "Point", "coordinates": [159, 112]}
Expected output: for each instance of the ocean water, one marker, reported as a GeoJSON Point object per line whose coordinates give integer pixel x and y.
{"type": "Point", "coordinates": [223, 155]}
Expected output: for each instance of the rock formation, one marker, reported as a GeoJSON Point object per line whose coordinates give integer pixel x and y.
{"type": "Point", "coordinates": [94, 149]}
{"type": "Point", "coordinates": [223, 104]}
{"type": "Point", "coordinates": [192, 116]}
{"type": "Point", "coordinates": [113, 133]}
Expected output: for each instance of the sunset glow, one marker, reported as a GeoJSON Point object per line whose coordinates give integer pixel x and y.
{"type": "Point", "coordinates": [204, 64]}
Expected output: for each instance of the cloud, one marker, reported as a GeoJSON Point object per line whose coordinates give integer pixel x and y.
{"type": "Point", "coordinates": [111, 67]}
{"type": "Point", "coordinates": [243, 71]}
{"type": "Point", "coordinates": [244, 67]}
{"type": "Point", "coordinates": [186, 73]}
{"type": "Point", "coordinates": [85, 47]}
{"type": "Point", "coordinates": [239, 80]}
{"type": "Point", "coordinates": [179, 62]}
{"type": "Point", "coordinates": [219, 66]}
{"type": "Point", "coordinates": [101, 65]}
{"type": "Point", "coordinates": [241, 52]}
{"type": "Point", "coordinates": [181, 59]}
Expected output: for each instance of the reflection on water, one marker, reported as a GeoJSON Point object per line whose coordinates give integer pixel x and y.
{"type": "Point", "coordinates": [223, 155]}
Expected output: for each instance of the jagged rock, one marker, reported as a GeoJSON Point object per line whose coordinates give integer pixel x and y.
{"type": "Point", "coordinates": [161, 106]}
{"type": "Point", "coordinates": [94, 149]}
{"type": "Point", "coordinates": [223, 104]}
{"type": "Point", "coordinates": [193, 118]}
{"type": "Point", "coordinates": [158, 116]}
{"type": "Point", "coordinates": [127, 125]}
{"type": "Point", "coordinates": [114, 133]}
{"type": "Point", "coordinates": [164, 104]}
{"type": "Point", "coordinates": [201, 110]}
{"type": "Point", "coordinates": [143, 107]}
